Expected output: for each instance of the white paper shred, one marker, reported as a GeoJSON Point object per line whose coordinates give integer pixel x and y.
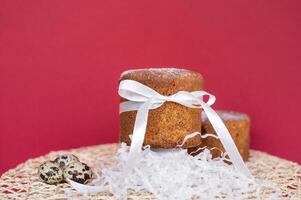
{"type": "Point", "coordinates": [174, 174]}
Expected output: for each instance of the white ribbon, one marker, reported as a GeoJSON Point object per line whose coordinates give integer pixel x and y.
{"type": "Point", "coordinates": [143, 98]}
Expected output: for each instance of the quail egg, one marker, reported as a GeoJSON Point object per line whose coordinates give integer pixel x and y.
{"type": "Point", "coordinates": [50, 172]}
{"type": "Point", "coordinates": [78, 172]}
{"type": "Point", "coordinates": [64, 160]}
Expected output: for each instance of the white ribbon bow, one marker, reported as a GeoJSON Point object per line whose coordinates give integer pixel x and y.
{"type": "Point", "coordinates": [143, 98]}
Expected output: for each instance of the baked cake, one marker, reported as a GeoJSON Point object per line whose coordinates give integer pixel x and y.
{"type": "Point", "coordinates": [238, 125]}
{"type": "Point", "coordinates": [169, 124]}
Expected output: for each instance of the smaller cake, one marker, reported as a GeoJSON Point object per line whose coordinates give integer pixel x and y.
{"type": "Point", "coordinates": [238, 125]}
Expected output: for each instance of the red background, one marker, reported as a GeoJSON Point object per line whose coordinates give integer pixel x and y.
{"type": "Point", "coordinates": [60, 62]}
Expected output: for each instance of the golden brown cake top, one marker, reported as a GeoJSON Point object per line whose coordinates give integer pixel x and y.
{"type": "Point", "coordinates": [170, 72]}
{"type": "Point", "coordinates": [228, 115]}
{"type": "Point", "coordinates": [166, 81]}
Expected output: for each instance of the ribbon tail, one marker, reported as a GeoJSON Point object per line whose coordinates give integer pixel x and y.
{"type": "Point", "coordinates": [226, 140]}
{"type": "Point", "coordinates": [138, 136]}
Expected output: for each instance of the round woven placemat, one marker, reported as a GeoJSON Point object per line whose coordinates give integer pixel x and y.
{"type": "Point", "coordinates": [23, 182]}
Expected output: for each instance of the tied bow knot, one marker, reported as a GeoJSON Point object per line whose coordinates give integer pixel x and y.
{"type": "Point", "coordinates": [142, 98]}
{"type": "Point", "coordinates": [137, 94]}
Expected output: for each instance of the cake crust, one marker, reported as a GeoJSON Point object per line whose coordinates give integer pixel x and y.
{"type": "Point", "coordinates": [169, 124]}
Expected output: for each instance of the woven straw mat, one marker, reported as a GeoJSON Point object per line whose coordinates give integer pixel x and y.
{"type": "Point", "coordinates": [23, 182]}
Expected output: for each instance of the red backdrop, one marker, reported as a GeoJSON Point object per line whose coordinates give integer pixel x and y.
{"type": "Point", "coordinates": [60, 62]}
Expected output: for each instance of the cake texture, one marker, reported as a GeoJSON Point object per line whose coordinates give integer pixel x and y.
{"type": "Point", "coordinates": [238, 125]}
{"type": "Point", "coordinates": [169, 124]}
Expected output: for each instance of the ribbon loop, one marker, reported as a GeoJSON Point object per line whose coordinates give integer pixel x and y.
{"type": "Point", "coordinates": [143, 98]}
{"type": "Point", "coordinates": [135, 91]}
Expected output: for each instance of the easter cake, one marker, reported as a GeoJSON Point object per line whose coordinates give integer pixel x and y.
{"type": "Point", "coordinates": [169, 124]}
{"type": "Point", "coordinates": [238, 125]}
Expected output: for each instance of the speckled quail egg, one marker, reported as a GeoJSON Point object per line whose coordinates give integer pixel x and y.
{"type": "Point", "coordinates": [78, 172]}
{"type": "Point", "coordinates": [50, 172]}
{"type": "Point", "coordinates": [64, 160]}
